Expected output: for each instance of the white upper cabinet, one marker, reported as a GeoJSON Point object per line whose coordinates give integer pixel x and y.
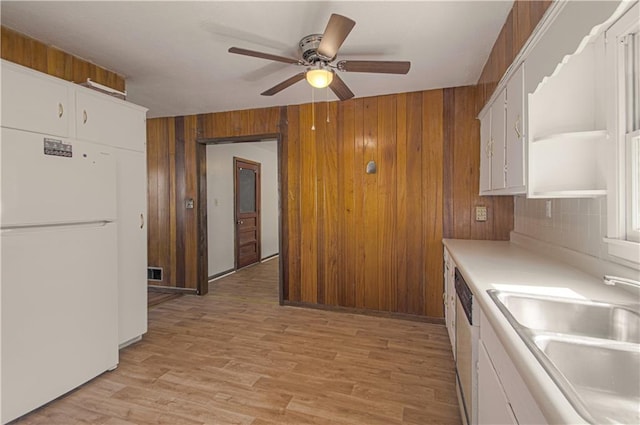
{"type": "Point", "coordinates": [38, 103]}
{"type": "Point", "coordinates": [515, 133]}
{"type": "Point", "coordinates": [497, 142]}
{"type": "Point", "coordinates": [494, 148]}
{"type": "Point", "coordinates": [553, 128]}
{"type": "Point", "coordinates": [485, 152]}
{"type": "Point", "coordinates": [96, 115]}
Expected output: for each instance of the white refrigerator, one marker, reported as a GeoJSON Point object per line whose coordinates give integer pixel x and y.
{"type": "Point", "coordinates": [58, 270]}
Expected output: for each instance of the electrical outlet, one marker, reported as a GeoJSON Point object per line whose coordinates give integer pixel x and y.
{"type": "Point", "coordinates": [481, 213]}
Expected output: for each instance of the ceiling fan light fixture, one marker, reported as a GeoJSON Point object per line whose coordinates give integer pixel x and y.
{"type": "Point", "coordinates": [319, 78]}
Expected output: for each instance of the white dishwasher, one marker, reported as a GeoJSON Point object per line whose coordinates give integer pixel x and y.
{"type": "Point", "coordinates": [467, 333]}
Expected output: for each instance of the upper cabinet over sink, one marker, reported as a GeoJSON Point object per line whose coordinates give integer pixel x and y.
{"type": "Point", "coordinates": [543, 132]}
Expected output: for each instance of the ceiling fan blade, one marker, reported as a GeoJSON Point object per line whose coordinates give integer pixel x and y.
{"type": "Point", "coordinates": [340, 88]}
{"type": "Point", "coordinates": [262, 55]}
{"type": "Point", "coordinates": [382, 67]}
{"type": "Point", "coordinates": [337, 30]}
{"type": "Point", "coordinates": [283, 85]}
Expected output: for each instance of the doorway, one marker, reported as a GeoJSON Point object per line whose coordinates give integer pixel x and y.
{"type": "Point", "coordinates": [219, 209]}
{"type": "Point", "coordinates": [246, 188]}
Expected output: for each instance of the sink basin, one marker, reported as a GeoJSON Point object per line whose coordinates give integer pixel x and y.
{"type": "Point", "coordinates": [610, 391]}
{"type": "Point", "coordinates": [587, 318]}
{"type": "Point", "coordinates": [590, 349]}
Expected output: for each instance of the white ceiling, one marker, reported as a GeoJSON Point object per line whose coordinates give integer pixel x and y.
{"type": "Point", "coordinates": [174, 54]}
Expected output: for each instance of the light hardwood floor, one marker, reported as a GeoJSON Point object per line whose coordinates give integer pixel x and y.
{"type": "Point", "coordinates": [236, 357]}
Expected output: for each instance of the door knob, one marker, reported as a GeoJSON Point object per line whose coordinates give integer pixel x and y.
{"type": "Point", "coordinates": [240, 222]}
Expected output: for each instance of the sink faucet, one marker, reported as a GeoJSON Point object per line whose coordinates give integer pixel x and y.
{"type": "Point", "coordinates": [613, 280]}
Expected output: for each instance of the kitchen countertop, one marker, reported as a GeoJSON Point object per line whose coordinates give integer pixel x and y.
{"type": "Point", "coordinates": [509, 267]}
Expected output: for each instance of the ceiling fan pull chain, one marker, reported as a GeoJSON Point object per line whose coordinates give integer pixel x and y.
{"type": "Point", "coordinates": [326, 91]}
{"type": "Point", "coordinates": [313, 111]}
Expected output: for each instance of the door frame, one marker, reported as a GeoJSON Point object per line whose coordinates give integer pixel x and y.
{"type": "Point", "coordinates": [201, 160]}
{"type": "Point", "coordinates": [258, 207]}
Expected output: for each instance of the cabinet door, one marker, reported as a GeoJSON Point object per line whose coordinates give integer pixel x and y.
{"type": "Point", "coordinates": [515, 138]}
{"type": "Point", "coordinates": [485, 152]}
{"type": "Point", "coordinates": [450, 298]}
{"type": "Point", "coordinates": [498, 112]}
{"type": "Point", "coordinates": [524, 406]}
{"type": "Point", "coordinates": [34, 102]}
{"type": "Point", "coordinates": [109, 121]}
{"type": "Point", "coordinates": [493, 406]}
{"type": "Point", "coordinates": [132, 244]}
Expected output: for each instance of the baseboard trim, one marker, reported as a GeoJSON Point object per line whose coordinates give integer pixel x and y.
{"type": "Point", "coordinates": [221, 274]}
{"type": "Point", "coordinates": [172, 289]}
{"type": "Point", "coordinates": [270, 257]}
{"type": "Point", "coordinates": [130, 341]}
{"type": "Point", "coordinates": [367, 312]}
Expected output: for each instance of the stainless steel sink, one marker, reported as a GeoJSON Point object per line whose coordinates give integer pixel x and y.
{"type": "Point", "coordinates": [588, 318]}
{"type": "Point", "coordinates": [604, 377]}
{"type": "Point", "coordinates": [590, 349]}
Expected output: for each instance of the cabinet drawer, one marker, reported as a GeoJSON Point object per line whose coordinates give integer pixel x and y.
{"type": "Point", "coordinates": [101, 119]}
{"type": "Point", "coordinates": [524, 406]}
{"type": "Point", "coordinates": [35, 102]}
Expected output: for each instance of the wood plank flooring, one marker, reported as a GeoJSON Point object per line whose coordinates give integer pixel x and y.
{"type": "Point", "coordinates": [157, 297]}
{"type": "Point", "coordinates": [236, 357]}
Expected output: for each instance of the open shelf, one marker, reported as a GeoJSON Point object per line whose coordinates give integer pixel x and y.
{"type": "Point", "coordinates": [569, 194]}
{"type": "Point", "coordinates": [567, 165]}
{"type": "Point", "coordinates": [567, 136]}
{"type": "Point", "coordinates": [573, 135]}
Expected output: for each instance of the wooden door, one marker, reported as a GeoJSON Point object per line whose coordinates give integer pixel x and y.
{"type": "Point", "coordinates": [247, 211]}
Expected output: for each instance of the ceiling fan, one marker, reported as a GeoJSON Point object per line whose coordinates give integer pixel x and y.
{"type": "Point", "coordinates": [318, 51]}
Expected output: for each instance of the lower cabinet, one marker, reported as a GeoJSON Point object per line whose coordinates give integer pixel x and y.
{"type": "Point", "coordinates": [449, 298]}
{"type": "Point", "coordinates": [494, 407]}
{"type": "Point", "coordinates": [503, 396]}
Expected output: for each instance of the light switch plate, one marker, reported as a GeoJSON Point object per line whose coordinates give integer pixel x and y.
{"type": "Point", "coordinates": [481, 213]}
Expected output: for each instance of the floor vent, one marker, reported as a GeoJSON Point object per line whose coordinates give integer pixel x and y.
{"type": "Point", "coordinates": [154, 273]}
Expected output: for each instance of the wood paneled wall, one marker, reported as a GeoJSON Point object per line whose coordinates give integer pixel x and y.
{"type": "Point", "coordinates": [350, 239]}
{"type": "Point", "coordinates": [520, 23]}
{"type": "Point", "coordinates": [176, 173]}
{"type": "Point", "coordinates": [369, 241]}
{"type": "Point", "coordinates": [31, 53]}
{"type": "Point", "coordinates": [173, 228]}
